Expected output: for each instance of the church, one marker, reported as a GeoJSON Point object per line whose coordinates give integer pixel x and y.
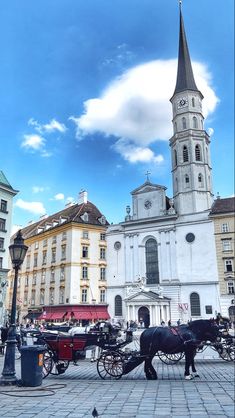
{"type": "Point", "coordinates": [161, 261]}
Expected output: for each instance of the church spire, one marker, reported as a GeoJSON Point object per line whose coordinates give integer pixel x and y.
{"type": "Point", "coordinates": [185, 79]}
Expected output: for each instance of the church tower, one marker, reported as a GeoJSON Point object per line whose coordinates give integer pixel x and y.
{"type": "Point", "coordinates": [190, 143]}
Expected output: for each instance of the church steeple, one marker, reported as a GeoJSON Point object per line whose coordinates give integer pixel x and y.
{"type": "Point", "coordinates": [190, 144]}
{"type": "Point", "coordinates": [185, 78]}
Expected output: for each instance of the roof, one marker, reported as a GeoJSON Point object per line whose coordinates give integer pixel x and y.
{"type": "Point", "coordinates": [3, 180]}
{"type": "Point", "coordinates": [222, 206]}
{"type": "Point", "coordinates": [74, 213]}
{"type": "Point", "coordinates": [147, 187]}
{"type": "Point", "coordinates": [185, 78]}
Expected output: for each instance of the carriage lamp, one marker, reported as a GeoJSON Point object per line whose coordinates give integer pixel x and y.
{"type": "Point", "coordinates": [17, 253]}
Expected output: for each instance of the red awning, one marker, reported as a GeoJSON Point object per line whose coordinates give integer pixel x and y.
{"type": "Point", "coordinates": [90, 312]}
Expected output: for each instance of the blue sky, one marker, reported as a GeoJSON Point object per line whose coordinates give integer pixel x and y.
{"type": "Point", "coordinates": [84, 97]}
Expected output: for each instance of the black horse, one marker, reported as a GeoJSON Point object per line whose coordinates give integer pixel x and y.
{"type": "Point", "coordinates": [172, 340]}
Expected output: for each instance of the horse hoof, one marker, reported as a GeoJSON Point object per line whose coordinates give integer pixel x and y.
{"type": "Point", "coordinates": [188, 377]}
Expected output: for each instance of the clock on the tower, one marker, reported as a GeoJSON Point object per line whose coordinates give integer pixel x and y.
{"type": "Point", "coordinates": [182, 102]}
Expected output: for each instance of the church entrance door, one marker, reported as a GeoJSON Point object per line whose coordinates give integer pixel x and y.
{"type": "Point", "coordinates": [143, 316]}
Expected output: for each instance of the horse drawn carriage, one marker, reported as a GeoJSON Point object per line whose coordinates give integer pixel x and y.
{"type": "Point", "coordinates": [170, 344]}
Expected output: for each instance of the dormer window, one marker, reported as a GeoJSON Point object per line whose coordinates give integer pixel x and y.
{"type": "Point", "coordinates": [102, 220]}
{"type": "Point", "coordinates": [85, 217]}
{"type": "Point", "coordinates": [62, 220]}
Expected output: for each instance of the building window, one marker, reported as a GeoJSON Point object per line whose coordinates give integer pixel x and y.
{"type": "Point", "coordinates": [34, 281]}
{"type": "Point", "coordinates": [54, 239]}
{"type": "Point", "coordinates": [28, 261]}
{"type": "Point", "coordinates": [44, 257]}
{"type": "Point", "coordinates": [1, 260]}
{"type": "Point", "coordinates": [63, 252]}
{"type": "Point", "coordinates": [175, 124]}
{"type": "Point", "coordinates": [198, 153]}
{"type": "Point", "coordinates": [151, 254]}
{"type": "Point", "coordinates": [62, 273]}
{"type": "Point", "coordinates": [33, 294]}
{"type": "Point", "coordinates": [200, 180]}
{"type": "Point", "coordinates": [102, 237]}
{"type": "Point", "coordinates": [224, 228]}
{"type": "Point", "coordinates": [185, 154]}
{"type": "Point", "coordinates": [85, 234]}
{"type": "Point", "coordinates": [44, 243]}
{"type": "Point", "coordinates": [193, 102]}
{"type": "Point", "coordinates": [195, 124]}
{"type": "Point", "coordinates": [226, 245]}
{"type": "Point", "coordinates": [228, 265]}
{"type": "Point", "coordinates": [61, 295]}
{"type": "Point", "coordinates": [175, 157]}
{"type": "Point", "coordinates": [102, 295]}
{"type": "Point", "coordinates": [103, 273]}
{"type": "Point", "coordinates": [43, 276]}
{"type": "Point", "coordinates": [118, 306]}
{"type": "Point", "coordinates": [176, 185]}
{"type": "Point", "coordinates": [3, 206]}
{"type": "Point", "coordinates": [26, 280]}
{"type": "Point", "coordinates": [195, 304]}
{"type": "Point", "coordinates": [36, 245]}
{"type": "Point", "coordinates": [102, 253]}
{"type": "Point", "coordinates": [64, 235]}
{"type": "Point", "coordinates": [1, 244]}
{"type": "Point", "coordinates": [51, 296]}
{"type": "Point", "coordinates": [52, 279]}
{"type": "Point", "coordinates": [186, 180]}
{"type": "Point", "coordinates": [84, 295]}
{"type": "Point", "coordinates": [42, 296]}
{"type": "Point", "coordinates": [35, 260]}
{"type": "Point", "coordinates": [85, 272]}
{"type": "Point", "coordinates": [25, 298]}
{"type": "Point", "coordinates": [53, 255]}
{"type": "Point", "coordinates": [230, 287]}
{"type": "Point", "coordinates": [3, 225]}
{"type": "Point", "coordinates": [184, 123]}
{"type": "Point", "coordinates": [208, 309]}
{"type": "Point", "coordinates": [85, 252]}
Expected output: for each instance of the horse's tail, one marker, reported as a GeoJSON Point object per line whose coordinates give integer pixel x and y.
{"type": "Point", "coordinates": [132, 363]}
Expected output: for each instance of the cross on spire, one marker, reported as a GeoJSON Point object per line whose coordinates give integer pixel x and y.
{"type": "Point", "coordinates": [147, 175]}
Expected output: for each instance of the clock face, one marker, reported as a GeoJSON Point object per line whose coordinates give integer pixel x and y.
{"type": "Point", "coordinates": [147, 204]}
{"type": "Point", "coordinates": [182, 102]}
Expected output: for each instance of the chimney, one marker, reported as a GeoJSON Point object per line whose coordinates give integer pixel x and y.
{"type": "Point", "coordinates": [82, 198]}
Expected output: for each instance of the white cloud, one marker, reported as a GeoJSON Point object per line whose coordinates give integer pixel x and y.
{"type": "Point", "coordinates": [136, 108]}
{"type": "Point", "coordinates": [38, 189]}
{"type": "Point", "coordinates": [59, 196]}
{"type": "Point", "coordinates": [33, 142]}
{"type": "Point", "coordinates": [210, 131]}
{"type": "Point", "coordinates": [52, 126]}
{"type": "Point", "coordinates": [70, 199]}
{"type": "Point", "coordinates": [34, 207]}
{"type": "Point", "coordinates": [134, 154]}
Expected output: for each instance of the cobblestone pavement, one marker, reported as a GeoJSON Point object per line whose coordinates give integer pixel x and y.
{"type": "Point", "coordinates": [76, 393]}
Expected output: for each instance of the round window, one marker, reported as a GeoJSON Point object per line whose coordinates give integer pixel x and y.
{"type": "Point", "coordinates": [190, 237]}
{"type": "Point", "coordinates": [117, 245]}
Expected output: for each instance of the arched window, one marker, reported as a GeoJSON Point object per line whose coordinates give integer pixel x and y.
{"type": "Point", "coordinates": [200, 180]}
{"type": "Point", "coordinates": [195, 304]}
{"type": "Point", "coordinates": [193, 102]}
{"type": "Point", "coordinates": [195, 124]}
{"type": "Point", "coordinates": [176, 184]}
{"type": "Point", "coordinates": [186, 180]}
{"type": "Point", "coordinates": [198, 153]}
{"type": "Point", "coordinates": [183, 123]}
{"type": "Point", "coordinates": [175, 156]}
{"type": "Point", "coordinates": [118, 306]}
{"type": "Point", "coordinates": [207, 156]}
{"type": "Point", "coordinates": [185, 154]}
{"type": "Point", "coordinates": [151, 253]}
{"type": "Point", "coordinates": [175, 124]}
{"type": "Point", "coordinates": [201, 123]}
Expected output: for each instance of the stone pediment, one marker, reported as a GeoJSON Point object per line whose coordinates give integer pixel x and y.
{"type": "Point", "coordinates": [145, 296]}
{"type": "Point", "coordinates": [148, 187]}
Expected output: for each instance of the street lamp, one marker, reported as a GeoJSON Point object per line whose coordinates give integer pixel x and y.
{"type": "Point", "coordinates": [17, 252]}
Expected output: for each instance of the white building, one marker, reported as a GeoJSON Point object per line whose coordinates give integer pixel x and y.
{"type": "Point", "coordinates": [63, 276]}
{"type": "Point", "coordinates": [6, 200]}
{"type": "Point", "coordinates": [162, 259]}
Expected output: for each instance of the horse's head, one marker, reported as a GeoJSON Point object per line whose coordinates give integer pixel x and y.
{"type": "Point", "coordinates": [205, 329]}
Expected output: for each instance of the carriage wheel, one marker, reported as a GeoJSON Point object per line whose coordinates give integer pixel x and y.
{"type": "Point", "coordinates": [170, 358]}
{"type": "Point", "coordinates": [226, 352]}
{"type": "Point", "coordinates": [110, 365]}
{"type": "Point", "coordinates": [47, 364]}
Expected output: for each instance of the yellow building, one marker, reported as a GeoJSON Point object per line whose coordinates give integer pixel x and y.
{"type": "Point", "coordinates": [63, 276]}
{"type": "Point", "coordinates": [222, 213]}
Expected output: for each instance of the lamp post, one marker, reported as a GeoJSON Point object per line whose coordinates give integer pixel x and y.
{"type": "Point", "coordinates": [17, 252]}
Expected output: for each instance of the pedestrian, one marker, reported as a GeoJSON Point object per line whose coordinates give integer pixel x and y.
{"type": "Point", "coordinates": [178, 322]}
{"type": "Point", "coordinates": [169, 323]}
{"type": "Point", "coordinates": [162, 323]}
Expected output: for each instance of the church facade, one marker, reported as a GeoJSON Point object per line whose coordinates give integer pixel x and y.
{"type": "Point", "coordinates": [162, 258]}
